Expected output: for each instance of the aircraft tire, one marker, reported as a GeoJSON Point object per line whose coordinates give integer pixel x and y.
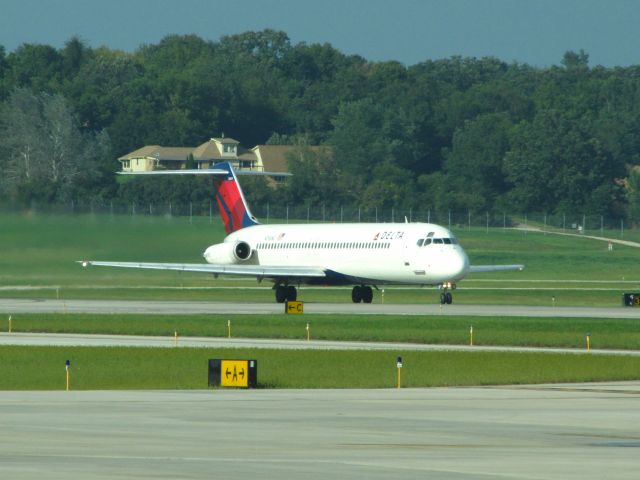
{"type": "Point", "coordinates": [292, 293]}
{"type": "Point", "coordinates": [443, 298]}
{"type": "Point", "coordinates": [281, 294]}
{"type": "Point", "coordinates": [367, 294]}
{"type": "Point", "coordinates": [356, 294]}
{"type": "Point", "coordinates": [448, 298]}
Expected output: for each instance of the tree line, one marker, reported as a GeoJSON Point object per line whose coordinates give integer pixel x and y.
{"type": "Point", "coordinates": [465, 134]}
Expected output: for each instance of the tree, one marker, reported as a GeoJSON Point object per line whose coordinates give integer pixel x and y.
{"type": "Point", "coordinates": [42, 150]}
{"type": "Point", "coordinates": [633, 195]}
{"type": "Point", "coordinates": [38, 67]}
{"type": "Point", "coordinates": [20, 143]}
{"type": "Point", "coordinates": [557, 165]}
{"type": "Point", "coordinates": [4, 70]}
{"type": "Point", "coordinates": [74, 55]}
{"type": "Point", "coordinates": [316, 178]}
{"type": "Point", "coordinates": [572, 60]}
{"type": "Point", "coordinates": [474, 167]}
{"type": "Point", "coordinates": [391, 186]}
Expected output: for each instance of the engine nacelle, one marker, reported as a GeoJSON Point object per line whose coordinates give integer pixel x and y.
{"type": "Point", "coordinates": [228, 253]}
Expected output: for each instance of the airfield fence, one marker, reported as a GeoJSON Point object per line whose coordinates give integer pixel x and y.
{"type": "Point", "coordinates": [593, 224]}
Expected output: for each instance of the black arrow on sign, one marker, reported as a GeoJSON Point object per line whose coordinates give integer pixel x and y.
{"type": "Point", "coordinates": [242, 373]}
{"type": "Point", "coordinates": [227, 373]}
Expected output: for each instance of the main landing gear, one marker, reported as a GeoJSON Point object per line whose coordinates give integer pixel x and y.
{"type": "Point", "coordinates": [289, 293]}
{"type": "Point", "coordinates": [286, 293]}
{"type": "Point", "coordinates": [361, 294]}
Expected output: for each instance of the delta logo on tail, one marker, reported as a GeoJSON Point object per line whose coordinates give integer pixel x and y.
{"type": "Point", "coordinates": [231, 203]}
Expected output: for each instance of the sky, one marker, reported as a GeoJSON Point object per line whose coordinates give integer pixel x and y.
{"type": "Point", "coordinates": [537, 32]}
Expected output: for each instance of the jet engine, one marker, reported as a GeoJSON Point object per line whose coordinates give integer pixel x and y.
{"type": "Point", "coordinates": [228, 253]}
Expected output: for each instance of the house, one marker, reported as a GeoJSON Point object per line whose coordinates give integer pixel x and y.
{"type": "Point", "coordinates": [153, 157]}
{"type": "Point", "coordinates": [261, 158]}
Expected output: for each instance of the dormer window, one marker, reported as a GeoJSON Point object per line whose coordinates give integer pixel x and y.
{"type": "Point", "coordinates": [229, 148]}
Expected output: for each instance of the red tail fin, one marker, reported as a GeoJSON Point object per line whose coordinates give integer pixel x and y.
{"type": "Point", "coordinates": [233, 207]}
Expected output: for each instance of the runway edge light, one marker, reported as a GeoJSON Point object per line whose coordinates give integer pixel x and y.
{"type": "Point", "coordinates": [67, 366]}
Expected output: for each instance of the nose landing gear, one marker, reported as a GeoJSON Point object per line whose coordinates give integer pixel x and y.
{"type": "Point", "coordinates": [445, 297]}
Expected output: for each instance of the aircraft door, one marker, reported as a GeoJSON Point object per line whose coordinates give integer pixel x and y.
{"type": "Point", "coordinates": [406, 252]}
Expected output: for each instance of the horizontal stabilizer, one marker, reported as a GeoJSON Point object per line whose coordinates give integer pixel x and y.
{"type": "Point", "coordinates": [207, 171]}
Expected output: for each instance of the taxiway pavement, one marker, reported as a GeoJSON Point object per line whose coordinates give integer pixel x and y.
{"type": "Point", "coordinates": [98, 340]}
{"type": "Point", "coordinates": [585, 431]}
{"type": "Point", "coordinates": [13, 306]}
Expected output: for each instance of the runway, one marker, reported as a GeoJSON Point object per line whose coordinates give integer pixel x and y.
{"type": "Point", "coordinates": [86, 340]}
{"type": "Point", "coordinates": [544, 432]}
{"type": "Point", "coordinates": [14, 306]}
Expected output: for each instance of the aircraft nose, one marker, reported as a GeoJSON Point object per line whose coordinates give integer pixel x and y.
{"type": "Point", "coordinates": [458, 264]}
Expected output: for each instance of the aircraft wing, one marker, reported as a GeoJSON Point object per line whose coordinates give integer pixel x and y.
{"type": "Point", "coordinates": [245, 270]}
{"type": "Point", "coordinates": [493, 268]}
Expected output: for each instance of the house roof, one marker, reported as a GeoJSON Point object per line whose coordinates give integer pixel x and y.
{"type": "Point", "coordinates": [226, 140]}
{"type": "Point", "coordinates": [274, 157]}
{"type": "Point", "coordinates": [159, 152]}
{"type": "Point", "coordinates": [207, 151]}
{"type": "Point", "coordinates": [210, 150]}
{"type": "Point", "coordinates": [143, 152]}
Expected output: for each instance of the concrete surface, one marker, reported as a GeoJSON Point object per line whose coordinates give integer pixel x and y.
{"type": "Point", "coordinates": [100, 340]}
{"type": "Point", "coordinates": [13, 306]}
{"type": "Point", "coordinates": [542, 432]}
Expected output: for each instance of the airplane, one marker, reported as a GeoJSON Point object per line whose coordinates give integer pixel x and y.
{"type": "Point", "coordinates": [363, 255]}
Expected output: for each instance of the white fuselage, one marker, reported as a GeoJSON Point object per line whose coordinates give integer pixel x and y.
{"type": "Point", "coordinates": [376, 253]}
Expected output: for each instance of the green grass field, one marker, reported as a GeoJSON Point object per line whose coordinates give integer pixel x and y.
{"type": "Point", "coordinates": [514, 331]}
{"type": "Point", "coordinates": [41, 251]}
{"type": "Point", "coordinates": [42, 368]}
{"type": "Point", "coordinates": [38, 260]}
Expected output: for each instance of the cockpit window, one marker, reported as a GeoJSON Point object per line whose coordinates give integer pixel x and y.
{"type": "Point", "coordinates": [439, 241]}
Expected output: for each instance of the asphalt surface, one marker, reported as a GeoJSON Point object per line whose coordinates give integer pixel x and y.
{"type": "Point", "coordinates": [13, 306]}
{"type": "Point", "coordinates": [543, 432]}
{"type": "Point", "coordinates": [85, 340]}
{"type": "Point", "coordinates": [537, 432]}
